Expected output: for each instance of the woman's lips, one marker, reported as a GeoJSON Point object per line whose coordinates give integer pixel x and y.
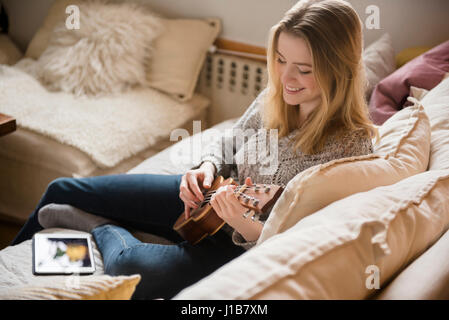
{"type": "Point", "coordinates": [292, 92]}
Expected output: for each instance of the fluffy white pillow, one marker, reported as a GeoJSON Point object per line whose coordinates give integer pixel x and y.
{"type": "Point", "coordinates": [109, 53]}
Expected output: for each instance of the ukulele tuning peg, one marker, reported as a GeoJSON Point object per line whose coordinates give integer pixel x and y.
{"type": "Point", "coordinates": [246, 214]}
{"type": "Point", "coordinates": [255, 217]}
{"type": "Point", "coordinates": [267, 189]}
{"type": "Point", "coordinates": [255, 202]}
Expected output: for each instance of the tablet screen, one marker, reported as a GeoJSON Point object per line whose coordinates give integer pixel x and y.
{"type": "Point", "coordinates": [62, 254]}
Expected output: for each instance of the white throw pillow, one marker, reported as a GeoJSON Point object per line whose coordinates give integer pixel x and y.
{"type": "Point", "coordinates": [379, 61]}
{"type": "Point", "coordinates": [109, 53]}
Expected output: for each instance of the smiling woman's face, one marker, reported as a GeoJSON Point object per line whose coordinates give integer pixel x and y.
{"type": "Point", "coordinates": [294, 67]}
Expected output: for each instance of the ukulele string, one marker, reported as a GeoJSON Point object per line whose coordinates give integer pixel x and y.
{"type": "Point", "coordinates": [209, 194]}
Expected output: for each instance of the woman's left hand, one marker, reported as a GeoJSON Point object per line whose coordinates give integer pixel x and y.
{"type": "Point", "coordinates": [227, 206]}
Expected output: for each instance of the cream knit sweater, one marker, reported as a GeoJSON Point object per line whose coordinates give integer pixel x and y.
{"type": "Point", "coordinates": [245, 152]}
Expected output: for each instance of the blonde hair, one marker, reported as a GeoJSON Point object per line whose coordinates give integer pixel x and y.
{"type": "Point", "coordinates": [333, 33]}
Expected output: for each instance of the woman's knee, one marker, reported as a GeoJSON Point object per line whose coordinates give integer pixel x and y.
{"type": "Point", "coordinates": [124, 263]}
{"type": "Point", "coordinates": [59, 186]}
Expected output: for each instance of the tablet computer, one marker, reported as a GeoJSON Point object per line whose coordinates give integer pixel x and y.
{"type": "Point", "coordinates": [62, 253]}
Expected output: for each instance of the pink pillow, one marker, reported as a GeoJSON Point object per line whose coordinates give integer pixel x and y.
{"type": "Point", "coordinates": [425, 71]}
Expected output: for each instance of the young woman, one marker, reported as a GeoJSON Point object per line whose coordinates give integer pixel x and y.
{"type": "Point", "coordinates": [315, 100]}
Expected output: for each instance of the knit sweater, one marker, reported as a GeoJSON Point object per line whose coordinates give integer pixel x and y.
{"type": "Point", "coordinates": [252, 157]}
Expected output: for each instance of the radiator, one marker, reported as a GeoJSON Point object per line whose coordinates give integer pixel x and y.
{"type": "Point", "coordinates": [231, 83]}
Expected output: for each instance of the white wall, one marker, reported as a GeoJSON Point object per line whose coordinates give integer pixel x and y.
{"type": "Point", "coordinates": [410, 22]}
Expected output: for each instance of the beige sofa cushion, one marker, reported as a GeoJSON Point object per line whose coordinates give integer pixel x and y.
{"type": "Point", "coordinates": [344, 251]}
{"type": "Point", "coordinates": [179, 54]}
{"type": "Point", "coordinates": [436, 105]}
{"type": "Point", "coordinates": [426, 278]}
{"type": "Point", "coordinates": [402, 152]}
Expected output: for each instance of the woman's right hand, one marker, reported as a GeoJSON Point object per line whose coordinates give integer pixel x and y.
{"type": "Point", "coordinates": [191, 184]}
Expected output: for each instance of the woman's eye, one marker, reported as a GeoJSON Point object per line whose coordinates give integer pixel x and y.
{"type": "Point", "coordinates": [301, 72]}
{"type": "Point", "coordinates": [280, 61]}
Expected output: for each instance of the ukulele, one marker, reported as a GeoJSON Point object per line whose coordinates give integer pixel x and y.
{"type": "Point", "coordinates": [204, 221]}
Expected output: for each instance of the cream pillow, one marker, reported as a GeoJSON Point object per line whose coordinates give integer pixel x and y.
{"type": "Point", "coordinates": [345, 251]}
{"type": "Point", "coordinates": [436, 105]}
{"type": "Point", "coordinates": [418, 93]}
{"type": "Point", "coordinates": [108, 54]}
{"type": "Point", "coordinates": [98, 287]}
{"type": "Point", "coordinates": [180, 53]}
{"type": "Point", "coordinates": [402, 152]}
{"type": "Point", "coordinates": [379, 62]}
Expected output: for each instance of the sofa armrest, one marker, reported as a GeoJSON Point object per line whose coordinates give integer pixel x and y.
{"type": "Point", "coordinates": [426, 278]}
{"type": "Point", "coordinates": [9, 53]}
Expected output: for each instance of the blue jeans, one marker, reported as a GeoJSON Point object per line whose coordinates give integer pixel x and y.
{"type": "Point", "coordinates": [148, 202]}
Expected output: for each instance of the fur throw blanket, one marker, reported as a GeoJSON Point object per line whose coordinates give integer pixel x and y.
{"type": "Point", "coordinates": [109, 129]}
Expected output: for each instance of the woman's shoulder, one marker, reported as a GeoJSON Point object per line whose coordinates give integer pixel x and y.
{"type": "Point", "coordinates": [352, 142]}
{"type": "Point", "coordinates": [354, 134]}
{"type": "Point", "coordinates": [251, 118]}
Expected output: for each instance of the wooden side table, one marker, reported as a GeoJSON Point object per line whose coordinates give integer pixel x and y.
{"type": "Point", "coordinates": [7, 124]}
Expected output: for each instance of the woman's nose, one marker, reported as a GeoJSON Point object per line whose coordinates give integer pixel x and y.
{"type": "Point", "coordinates": [287, 75]}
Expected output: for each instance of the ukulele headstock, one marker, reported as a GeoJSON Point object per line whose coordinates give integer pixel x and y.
{"type": "Point", "coordinates": [258, 196]}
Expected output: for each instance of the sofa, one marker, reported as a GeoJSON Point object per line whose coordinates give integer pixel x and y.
{"type": "Point", "coordinates": [382, 234]}
{"type": "Point", "coordinates": [366, 227]}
